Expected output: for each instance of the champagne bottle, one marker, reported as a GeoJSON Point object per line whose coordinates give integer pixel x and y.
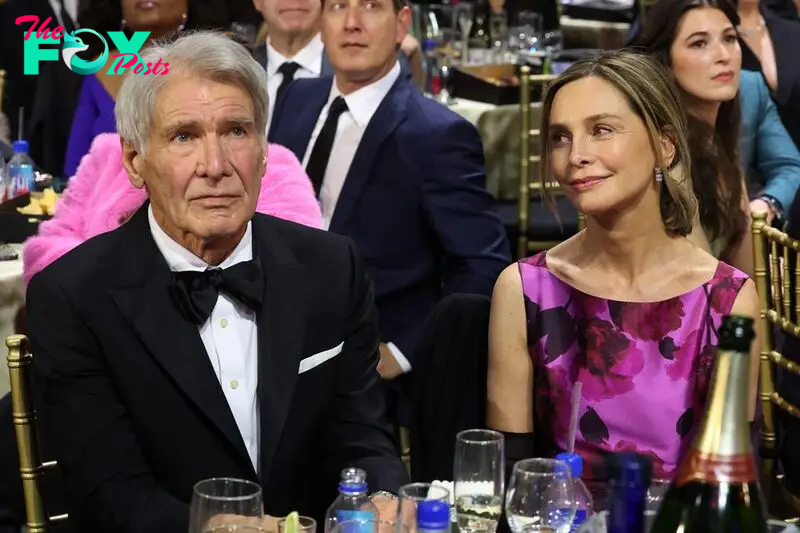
{"type": "Point", "coordinates": [716, 489]}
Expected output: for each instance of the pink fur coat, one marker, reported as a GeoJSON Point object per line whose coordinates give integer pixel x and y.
{"type": "Point", "coordinates": [100, 197]}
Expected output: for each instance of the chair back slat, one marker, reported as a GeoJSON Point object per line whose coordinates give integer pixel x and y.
{"type": "Point", "coordinates": [24, 416]}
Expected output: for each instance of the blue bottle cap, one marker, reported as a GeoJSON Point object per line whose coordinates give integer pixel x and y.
{"type": "Point", "coordinates": [433, 515]}
{"type": "Point", "coordinates": [20, 147]}
{"type": "Point", "coordinates": [574, 462]}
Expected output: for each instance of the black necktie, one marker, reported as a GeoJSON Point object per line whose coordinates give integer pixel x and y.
{"type": "Point", "coordinates": [195, 293]}
{"type": "Point", "coordinates": [321, 152]}
{"type": "Point", "coordinates": [288, 70]}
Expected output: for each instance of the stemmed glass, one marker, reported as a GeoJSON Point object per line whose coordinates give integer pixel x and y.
{"type": "Point", "coordinates": [539, 497]}
{"type": "Point", "coordinates": [226, 505]}
{"type": "Point", "coordinates": [463, 17]}
{"type": "Point", "coordinates": [478, 479]}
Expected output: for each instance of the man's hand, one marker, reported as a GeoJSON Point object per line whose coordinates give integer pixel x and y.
{"type": "Point", "coordinates": [761, 205]}
{"type": "Point", "coordinates": [388, 367]}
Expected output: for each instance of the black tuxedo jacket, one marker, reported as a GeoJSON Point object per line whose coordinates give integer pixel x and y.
{"type": "Point", "coordinates": [132, 407]}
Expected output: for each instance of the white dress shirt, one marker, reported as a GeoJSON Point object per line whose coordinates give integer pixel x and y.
{"type": "Point", "coordinates": [230, 336]}
{"type": "Point", "coordinates": [361, 106]}
{"type": "Point", "coordinates": [309, 58]}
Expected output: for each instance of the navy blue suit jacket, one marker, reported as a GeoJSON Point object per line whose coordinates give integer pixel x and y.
{"type": "Point", "coordinates": [414, 202]}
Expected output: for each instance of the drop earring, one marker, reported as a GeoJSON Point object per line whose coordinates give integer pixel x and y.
{"type": "Point", "coordinates": [659, 175]}
{"type": "Point", "coordinates": [182, 25]}
{"type": "Point", "coordinates": [123, 25]}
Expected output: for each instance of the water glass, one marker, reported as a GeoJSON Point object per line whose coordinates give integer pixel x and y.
{"type": "Point", "coordinates": [222, 505]}
{"type": "Point", "coordinates": [307, 525]}
{"type": "Point", "coordinates": [410, 495]}
{"type": "Point", "coordinates": [655, 494]}
{"type": "Point", "coordinates": [479, 479]}
{"type": "Point", "coordinates": [539, 497]}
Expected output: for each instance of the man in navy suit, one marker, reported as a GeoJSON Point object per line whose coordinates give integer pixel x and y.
{"type": "Point", "coordinates": [400, 174]}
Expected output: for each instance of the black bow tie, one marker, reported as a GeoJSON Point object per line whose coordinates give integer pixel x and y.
{"type": "Point", "coordinates": [195, 293]}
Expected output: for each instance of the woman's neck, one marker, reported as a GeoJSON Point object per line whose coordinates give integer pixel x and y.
{"type": "Point", "coordinates": [630, 244]}
{"type": "Point", "coordinates": [704, 110]}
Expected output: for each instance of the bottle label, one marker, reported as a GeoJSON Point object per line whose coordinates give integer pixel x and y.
{"type": "Point", "coordinates": [716, 469]}
{"type": "Point", "coordinates": [365, 518]}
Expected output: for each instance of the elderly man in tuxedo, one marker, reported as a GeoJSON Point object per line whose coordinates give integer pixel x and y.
{"type": "Point", "coordinates": [200, 339]}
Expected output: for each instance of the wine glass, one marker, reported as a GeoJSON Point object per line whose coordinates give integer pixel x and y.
{"type": "Point", "coordinates": [410, 495]}
{"type": "Point", "coordinates": [222, 505]}
{"type": "Point", "coordinates": [478, 479]}
{"type": "Point", "coordinates": [539, 497]}
{"type": "Point", "coordinates": [463, 21]}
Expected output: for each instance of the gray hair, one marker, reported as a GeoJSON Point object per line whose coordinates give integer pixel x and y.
{"type": "Point", "coordinates": [207, 54]}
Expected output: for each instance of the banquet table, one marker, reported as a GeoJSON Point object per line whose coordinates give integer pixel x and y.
{"type": "Point", "coordinates": [12, 296]}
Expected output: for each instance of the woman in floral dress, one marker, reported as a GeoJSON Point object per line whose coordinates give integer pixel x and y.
{"type": "Point", "coordinates": [628, 308]}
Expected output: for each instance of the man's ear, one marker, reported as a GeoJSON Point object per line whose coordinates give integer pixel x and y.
{"type": "Point", "coordinates": [132, 161]}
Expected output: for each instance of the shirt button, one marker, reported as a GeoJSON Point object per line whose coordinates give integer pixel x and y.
{"type": "Point", "coordinates": [224, 322]}
{"type": "Point", "coordinates": [234, 384]}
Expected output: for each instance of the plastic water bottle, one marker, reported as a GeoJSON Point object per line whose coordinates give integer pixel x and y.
{"type": "Point", "coordinates": [581, 495]}
{"type": "Point", "coordinates": [433, 516]}
{"type": "Point", "coordinates": [353, 502]}
{"type": "Point", "coordinates": [20, 170]}
{"type": "Point", "coordinates": [4, 181]}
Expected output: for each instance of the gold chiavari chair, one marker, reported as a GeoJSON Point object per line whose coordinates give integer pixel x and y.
{"type": "Point", "coordinates": [528, 182]}
{"type": "Point", "coordinates": [772, 251]}
{"type": "Point", "coordinates": [31, 466]}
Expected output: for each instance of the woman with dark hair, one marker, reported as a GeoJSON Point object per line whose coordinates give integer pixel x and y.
{"type": "Point", "coordinates": [697, 41]}
{"type": "Point", "coordinates": [95, 111]}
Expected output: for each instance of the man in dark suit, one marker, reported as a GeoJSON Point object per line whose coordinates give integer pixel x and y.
{"type": "Point", "coordinates": [294, 49]}
{"type": "Point", "coordinates": [199, 340]}
{"type": "Point", "coordinates": [397, 172]}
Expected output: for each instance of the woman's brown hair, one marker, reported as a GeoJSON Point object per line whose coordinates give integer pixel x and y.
{"type": "Point", "coordinates": [716, 174]}
{"type": "Point", "coordinates": [653, 98]}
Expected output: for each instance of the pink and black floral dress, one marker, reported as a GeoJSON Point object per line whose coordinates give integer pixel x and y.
{"type": "Point", "coordinates": [644, 367]}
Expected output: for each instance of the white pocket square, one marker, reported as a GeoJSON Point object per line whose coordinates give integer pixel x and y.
{"type": "Point", "coordinates": [317, 359]}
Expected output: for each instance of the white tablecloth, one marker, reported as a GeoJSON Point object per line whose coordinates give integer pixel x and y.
{"type": "Point", "coordinates": [12, 296]}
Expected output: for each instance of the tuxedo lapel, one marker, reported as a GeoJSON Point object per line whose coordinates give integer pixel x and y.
{"type": "Point", "coordinates": [172, 340]}
{"type": "Point", "coordinates": [281, 330]}
{"type": "Point", "coordinates": [387, 117]}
